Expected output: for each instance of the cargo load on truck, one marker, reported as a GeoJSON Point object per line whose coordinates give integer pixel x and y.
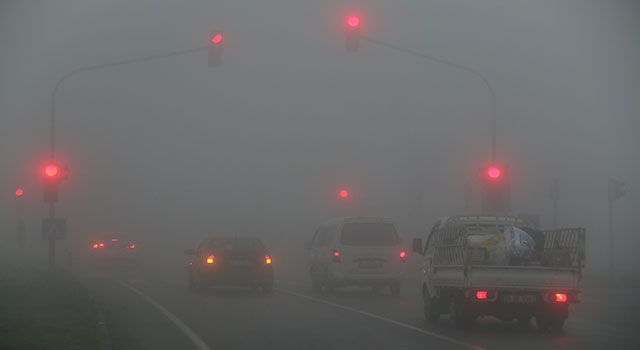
{"type": "Point", "coordinates": [499, 266]}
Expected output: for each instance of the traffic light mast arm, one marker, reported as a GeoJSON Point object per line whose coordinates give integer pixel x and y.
{"type": "Point", "coordinates": [455, 65]}
{"type": "Point", "coordinates": [97, 67]}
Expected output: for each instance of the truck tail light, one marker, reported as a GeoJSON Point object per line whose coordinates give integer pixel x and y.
{"type": "Point", "coordinates": [560, 297]}
{"type": "Point", "coordinates": [482, 295]}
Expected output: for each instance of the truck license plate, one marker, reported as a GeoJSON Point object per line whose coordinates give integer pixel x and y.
{"type": "Point", "coordinates": [519, 298]}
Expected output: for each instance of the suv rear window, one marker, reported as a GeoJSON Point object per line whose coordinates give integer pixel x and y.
{"type": "Point", "coordinates": [372, 234]}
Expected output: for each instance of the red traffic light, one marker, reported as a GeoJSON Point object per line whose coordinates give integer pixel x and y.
{"type": "Point", "coordinates": [51, 170]}
{"type": "Point", "coordinates": [216, 39]}
{"type": "Point", "coordinates": [353, 21]}
{"type": "Point", "coordinates": [343, 193]}
{"type": "Point", "coordinates": [19, 192]}
{"type": "Point", "coordinates": [494, 172]}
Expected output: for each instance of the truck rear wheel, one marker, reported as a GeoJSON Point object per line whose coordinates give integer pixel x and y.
{"type": "Point", "coordinates": [457, 316]}
{"type": "Point", "coordinates": [546, 323]}
{"type": "Point", "coordinates": [430, 307]}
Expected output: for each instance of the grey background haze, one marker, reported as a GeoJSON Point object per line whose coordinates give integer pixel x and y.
{"type": "Point", "coordinates": [170, 150]}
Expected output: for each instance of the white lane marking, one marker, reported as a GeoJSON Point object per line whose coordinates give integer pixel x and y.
{"type": "Point", "coordinates": [199, 343]}
{"type": "Point", "coordinates": [378, 317]}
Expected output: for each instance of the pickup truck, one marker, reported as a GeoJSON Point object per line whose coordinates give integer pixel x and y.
{"type": "Point", "coordinates": [461, 280]}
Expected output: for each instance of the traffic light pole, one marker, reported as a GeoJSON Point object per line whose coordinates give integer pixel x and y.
{"type": "Point", "coordinates": [611, 240]}
{"type": "Point", "coordinates": [52, 240]}
{"type": "Point", "coordinates": [455, 65]}
{"type": "Point", "coordinates": [52, 129]}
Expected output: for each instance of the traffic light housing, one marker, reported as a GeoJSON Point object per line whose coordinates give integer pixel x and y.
{"type": "Point", "coordinates": [616, 189]}
{"type": "Point", "coordinates": [495, 191]}
{"type": "Point", "coordinates": [54, 174]}
{"type": "Point", "coordinates": [352, 33]}
{"type": "Point", "coordinates": [215, 49]}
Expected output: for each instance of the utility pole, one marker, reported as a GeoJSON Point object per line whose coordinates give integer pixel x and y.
{"type": "Point", "coordinates": [554, 195]}
{"type": "Point", "coordinates": [616, 191]}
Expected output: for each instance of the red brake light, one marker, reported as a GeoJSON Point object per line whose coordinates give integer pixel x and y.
{"type": "Point", "coordinates": [267, 259]}
{"type": "Point", "coordinates": [481, 295]}
{"type": "Point", "coordinates": [336, 256]}
{"type": "Point", "coordinates": [560, 297]}
{"type": "Point", "coordinates": [101, 245]}
{"type": "Point", "coordinates": [19, 192]}
{"type": "Point", "coordinates": [114, 239]}
{"type": "Point", "coordinates": [131, 246]}
{"type": "Point", "coordinates": [95, 245]}
{"type": "Point", "coordinates": [210, 259]}
{"type": "Point", "coordinates": [403, 254]}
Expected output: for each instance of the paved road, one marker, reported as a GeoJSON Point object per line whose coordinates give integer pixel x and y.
{"type": "Point", "coordinates": [152, 309]}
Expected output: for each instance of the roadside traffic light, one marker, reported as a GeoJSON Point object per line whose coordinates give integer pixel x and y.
{"type": "Point", "coordinates": [215, 49]}
{"type": "Point", "coordinates": [352, 33]}
{"type": "Point", "coordinates": [616, 189]}
{"type": "Point", "coordinates": [496, 192]}
{"type": "Point", "coordinates": [343, 193]}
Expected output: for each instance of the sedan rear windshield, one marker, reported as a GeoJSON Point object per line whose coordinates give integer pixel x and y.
{"type": "Point", "coordinates": [372, 234]}
{"type": "Point", "coordinates": [237, 244]}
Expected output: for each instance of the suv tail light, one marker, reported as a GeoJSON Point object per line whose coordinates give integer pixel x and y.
{"type": "Point", "coordinates": [211, 259]}
{"type": "Point", "coordinates": [336, 256]}
{"type": "Point", "coordinates": [267, 259]}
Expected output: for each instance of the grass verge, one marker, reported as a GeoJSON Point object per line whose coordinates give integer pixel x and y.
{"type": "Point", "coordinates": [45, 310]}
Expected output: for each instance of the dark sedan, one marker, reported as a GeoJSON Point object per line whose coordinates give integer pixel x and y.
{"type": "Point", "coordinates": [230, 261]}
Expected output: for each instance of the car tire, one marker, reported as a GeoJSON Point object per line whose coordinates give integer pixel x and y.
{"type": "Point", "coordinates": [395, 289]}
{"type": "Point", "coordinates": [430, 305]}
{"type": "Point", "coordinates": [316, 286]}
{"type": "Point", "coordinates": [267, 288]}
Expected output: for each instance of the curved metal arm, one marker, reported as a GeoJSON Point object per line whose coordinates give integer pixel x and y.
{"type": "Point", "coordinates": [97, 67]}
{"type": "Point", "coordinates": [455, 65]}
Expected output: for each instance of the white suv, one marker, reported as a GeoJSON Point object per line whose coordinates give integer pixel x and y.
{"type": "Point", "coordinates": [359, 251]}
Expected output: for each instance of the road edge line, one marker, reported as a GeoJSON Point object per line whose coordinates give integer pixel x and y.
{"type": "Point", "coordinates": [382, 318]}
{"type": "Point", "coordinates": [199, 343]}
{"type": "Point", "coordinates": [103, 331]}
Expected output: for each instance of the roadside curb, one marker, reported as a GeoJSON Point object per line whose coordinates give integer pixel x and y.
{"type": "Point", "coordinates": [103, 332]}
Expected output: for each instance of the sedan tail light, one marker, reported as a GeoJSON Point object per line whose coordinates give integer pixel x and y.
{"type": "Point", "coordinates": [131, 246]}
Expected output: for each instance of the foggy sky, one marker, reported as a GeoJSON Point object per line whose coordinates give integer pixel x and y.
{"type": "Point", "coordinates": [171, 149]}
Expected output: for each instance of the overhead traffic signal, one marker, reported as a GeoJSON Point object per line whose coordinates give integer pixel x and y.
{"type": "Point", "coordinates": [215, 49]}
{"type": "Point", "coordinates": [495, 191]}
{"type": "Point", "coordinates": [19, 192]}
{"type": "Point", "coordinates": [343, 193]}
{"type": "Point", "coordinates": [352, 33]}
